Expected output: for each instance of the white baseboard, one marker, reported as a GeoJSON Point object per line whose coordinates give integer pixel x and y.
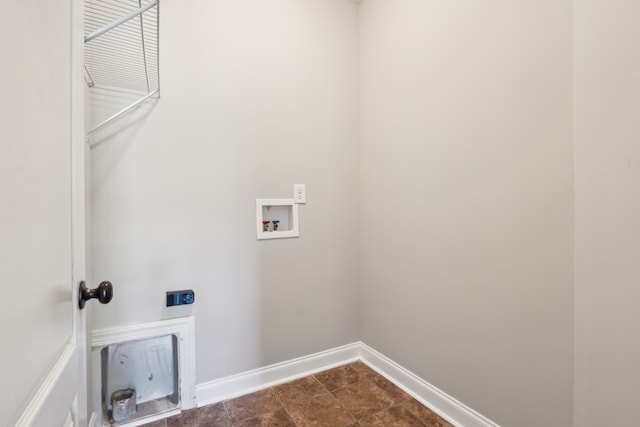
{"type": "Point", "coordinates": [258, 379]}
{"type": "Point", "coordinates": [438, 401]}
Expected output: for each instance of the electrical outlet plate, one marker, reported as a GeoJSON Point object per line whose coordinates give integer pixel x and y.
{"type": "Point", "coordinates": [299, 193]}
{"type": "Point", "coordinates": [186, 296]}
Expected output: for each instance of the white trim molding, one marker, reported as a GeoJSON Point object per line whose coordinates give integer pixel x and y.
{"type": "Point", "coordinates": [54, 392]}
{"type": "Point", "coordinates": [437, 400]}
{"type": "Point", "coordinates": [93, 420]}
{"type": "Point", "coordinates": [258, 379]}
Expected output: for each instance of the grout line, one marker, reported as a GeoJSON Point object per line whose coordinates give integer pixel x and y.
{"type": "Point", "coordinates": [414, 415]}
{"type": "Point", "coordinates": [363, 377]}
{"type": "Point", "coordinates": [338, 400]}
{"type": "Point", "coordinates": [226, 413]}
{"type": "Point", "coordinates": [285, 410]}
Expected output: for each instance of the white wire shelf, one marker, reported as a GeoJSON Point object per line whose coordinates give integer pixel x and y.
{"type": "Point", "coordinates": [121, 56]}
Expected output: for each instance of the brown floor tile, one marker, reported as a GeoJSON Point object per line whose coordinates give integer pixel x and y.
{"type": "Point", "coordinates": [321, 411]}
{"type": "Point", "coordinates": [359, 397]}
{"type": "Point", "coordinates": [279, 418]}
{"type": "Point", "coordinates": [363, 398]}
{"type": "Point", "coordinates": [297, 390]}
{"type": "Point", "coordinates": [339, 377]}
{"type": "Point", "coordinates": [396, 416]}
{"type": "Point", "coordinates": [209, 416]}
{"type": "Point", "coordinates": [252, 405]}
{"type": "Point", "coordinates": [362, 368]}
{"type": "Point", "coordinates": [427, 416]}
{"type": "Point", "coordinates": [389, 388]}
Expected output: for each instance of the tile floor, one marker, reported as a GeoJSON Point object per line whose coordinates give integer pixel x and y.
{"type": "Point", "coordinates": [351, 395]}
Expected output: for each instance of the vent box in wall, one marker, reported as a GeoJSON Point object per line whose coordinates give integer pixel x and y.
{"type": "Point", "coordinates": [276, 218]}
{"type": "Point", "coordinates": [148, 370]}
{"type": "Point", "coordinates": [153, 363]}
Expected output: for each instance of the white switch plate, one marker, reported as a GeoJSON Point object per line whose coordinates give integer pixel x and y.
{"type": "Point", "coordinates": [299, 193]}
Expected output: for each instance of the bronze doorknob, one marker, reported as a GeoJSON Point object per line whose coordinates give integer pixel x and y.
{"type": "Point", "coordinates": [103, 293]}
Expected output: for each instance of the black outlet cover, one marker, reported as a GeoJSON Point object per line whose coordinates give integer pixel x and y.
{"type": "Point", "coordinates": [180, 297]}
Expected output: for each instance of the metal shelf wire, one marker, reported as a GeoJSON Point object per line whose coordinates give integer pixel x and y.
{"type": "Point", "coordinates": [121, 56]}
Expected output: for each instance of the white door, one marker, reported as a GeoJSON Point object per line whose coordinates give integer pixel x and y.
{"type": "Point", "coordinates": [43, 354]}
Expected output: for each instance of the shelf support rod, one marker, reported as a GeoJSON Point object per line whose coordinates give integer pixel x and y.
{"type": "Point", "coordinates": [120, 21]}
{"type": "Point", "coordinates": [121, 112]}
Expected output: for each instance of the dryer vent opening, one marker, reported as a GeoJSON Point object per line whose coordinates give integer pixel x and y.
{"type": "Point", "coordinates": [140, 379]}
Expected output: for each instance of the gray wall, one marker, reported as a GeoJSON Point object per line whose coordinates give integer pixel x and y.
{"type": "Point", "coordinates": [607, 145]}
{"type": "Point", "coordinates": [454, 213]}
{"type": "Point", "coordinates": [256, 96]}
{"type": "Point", "coordinates": [466, 200]}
